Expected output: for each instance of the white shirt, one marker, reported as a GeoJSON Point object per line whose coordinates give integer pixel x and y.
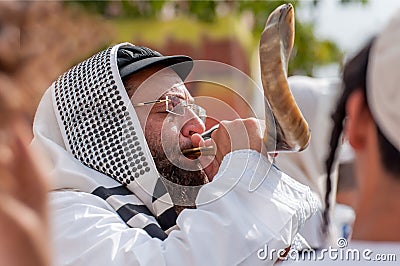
{"type": "Point", "coordinates": [229, 227]}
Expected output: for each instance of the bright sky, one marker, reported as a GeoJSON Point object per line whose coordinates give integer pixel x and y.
{"type": "Point", "coordinates": [351, 25]}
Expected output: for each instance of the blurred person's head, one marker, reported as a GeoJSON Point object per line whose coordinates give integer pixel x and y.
{"type": "Point", "coordinates": [368, 112]}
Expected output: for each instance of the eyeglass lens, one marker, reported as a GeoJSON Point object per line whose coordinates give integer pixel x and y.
{"type": "Point", "coordinates": [177, 106]}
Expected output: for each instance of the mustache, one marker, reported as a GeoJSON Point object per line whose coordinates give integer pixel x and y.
{"type": "Point", "coordinates": [185, 145]}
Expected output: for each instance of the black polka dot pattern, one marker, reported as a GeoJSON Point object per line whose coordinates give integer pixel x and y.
{"type": "Point", "coordinates": [99, 129]}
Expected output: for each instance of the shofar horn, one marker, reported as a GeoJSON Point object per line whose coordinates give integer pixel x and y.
{"type": "Point", "coordinates": [286, 128]}
{"type": "Point", "coordinates": [276, 43]}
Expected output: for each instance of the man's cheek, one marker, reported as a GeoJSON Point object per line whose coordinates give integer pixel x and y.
{"type": "Point", "coordinates": [170, 136]}
{"type": "Point", "coordinates": [153, 138]}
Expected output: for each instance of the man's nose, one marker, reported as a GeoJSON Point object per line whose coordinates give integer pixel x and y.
{"type": "Point", "coordinates": [193, 125]}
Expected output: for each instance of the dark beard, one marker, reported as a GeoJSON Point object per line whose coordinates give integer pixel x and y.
{"type": "Point", "coordinates": [182, 185]}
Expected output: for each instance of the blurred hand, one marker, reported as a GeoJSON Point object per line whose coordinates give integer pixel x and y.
{"type": "Point", "coordinates": [23, 208]}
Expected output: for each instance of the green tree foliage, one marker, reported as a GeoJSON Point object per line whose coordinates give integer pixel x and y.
{"type": "Point", "coordinates": [309, 52]}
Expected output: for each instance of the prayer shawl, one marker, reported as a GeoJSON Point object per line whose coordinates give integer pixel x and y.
{"type": "Point", "coordinates": [87, 123]}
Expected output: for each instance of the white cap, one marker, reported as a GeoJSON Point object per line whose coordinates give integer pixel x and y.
{"type": "Point", "coordinates": [383, 81]}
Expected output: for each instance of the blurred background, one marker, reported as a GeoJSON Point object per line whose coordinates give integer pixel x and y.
{"type": "Point", "coordinates": [40, 40]}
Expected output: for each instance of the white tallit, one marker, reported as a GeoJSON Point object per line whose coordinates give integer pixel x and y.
{"type": "Point", "coordinates": [86, 113]}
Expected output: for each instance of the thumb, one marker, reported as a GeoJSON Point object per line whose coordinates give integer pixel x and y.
{"type": "Point", "coordinates": [197, 140]}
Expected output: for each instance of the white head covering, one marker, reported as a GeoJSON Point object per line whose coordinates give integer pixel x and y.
{"type": "Point", "coordinates": [87, 125]}
{"type": "Point", "coordinates": [383, 81]}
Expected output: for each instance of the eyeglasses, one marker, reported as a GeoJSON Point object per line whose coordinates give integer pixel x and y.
{"type": "Point", "coordinates": [177, 106]}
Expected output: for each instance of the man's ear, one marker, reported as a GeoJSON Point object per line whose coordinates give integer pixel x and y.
{"type": "Point", "coordinates": [358, 119]}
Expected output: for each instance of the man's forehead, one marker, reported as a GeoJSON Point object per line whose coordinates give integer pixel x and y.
{"type": "Point", "coordinates": [158, 83]}
{"type": "Point", "coordinates": [179, 90]}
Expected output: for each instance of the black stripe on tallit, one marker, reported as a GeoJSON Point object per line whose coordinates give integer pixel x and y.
{"type": "Point", "coordinates": [167, 219]}
{"type": "Point", "coordinates": [155, 231]}
{"type": "Point", "coordinates": [128, 210]}
{"type": "Point", "coordinates": [104, 193]}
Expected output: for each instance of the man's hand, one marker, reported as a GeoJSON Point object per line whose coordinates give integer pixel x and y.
{"type": "Point", "coordinates": [23, 195]}
{"type": "Point", "coordinates": [238, 134]}
{"type": "Point", "coordinates": [230, 136]}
